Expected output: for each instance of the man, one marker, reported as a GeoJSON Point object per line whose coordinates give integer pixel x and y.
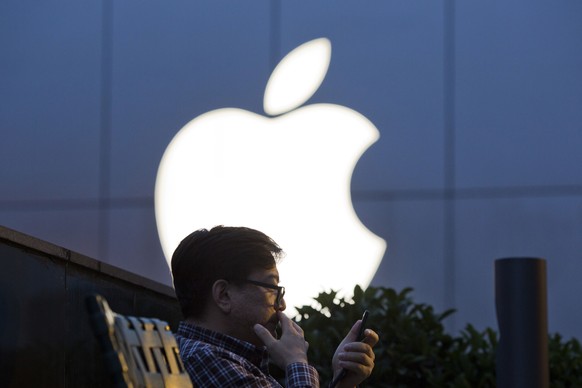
{"type": "Point", "coordinates": [227, 283]}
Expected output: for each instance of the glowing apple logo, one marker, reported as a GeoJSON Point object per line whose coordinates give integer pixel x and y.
{"type": "Point", "coordinates": [288, 176]}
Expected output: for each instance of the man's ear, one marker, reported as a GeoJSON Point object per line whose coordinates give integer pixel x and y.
{"type": "Point", "coordinates": [221, 295]}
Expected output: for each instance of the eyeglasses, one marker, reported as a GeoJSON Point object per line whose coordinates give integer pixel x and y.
{"type": "Point", "coordinates": [280, 290]}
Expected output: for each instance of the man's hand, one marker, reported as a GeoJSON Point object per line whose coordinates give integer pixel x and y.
{"type": "Point", "coordinates": [290, 348]}
{"type": "Point", "coordinates": [357, 358]}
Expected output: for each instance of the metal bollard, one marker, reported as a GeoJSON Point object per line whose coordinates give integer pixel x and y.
{"type": "Point", "coordinates": [521, 303]}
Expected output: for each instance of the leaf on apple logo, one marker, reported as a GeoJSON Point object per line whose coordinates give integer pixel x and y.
{"type": "Point", "coordinates": [297, 77]}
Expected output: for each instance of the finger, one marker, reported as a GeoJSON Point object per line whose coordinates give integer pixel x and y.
{"type": "Point", "coordinates": [289, 326]}
{"type": "Point", "coordinates": [297, 328]}
{"type": "Point", "coordinates": [264, 335]}
{"type": "Point", "coordinates": [353, 334]}
{"type": "Point", "coordinates": [358, 352]}
{"type": "Point", "coordinates": [363, 370]}
{"type": "Point", "coordinates": [371, 337]}
{"type": "Point", "coordinates": [285, 322]}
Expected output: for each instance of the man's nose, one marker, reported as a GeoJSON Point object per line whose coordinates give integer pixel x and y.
{"type": "Point", "coordinates": [282, 305]}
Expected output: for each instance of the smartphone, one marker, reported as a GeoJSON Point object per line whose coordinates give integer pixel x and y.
{"type": "Point", "coordinates": [363, 325]}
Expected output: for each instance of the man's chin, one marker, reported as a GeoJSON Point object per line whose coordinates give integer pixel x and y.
{"type": "Point", "coordinates": [272, 327]}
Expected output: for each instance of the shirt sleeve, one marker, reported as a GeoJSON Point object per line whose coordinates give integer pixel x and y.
{"type": "Point", "coordinates": [301, 375]}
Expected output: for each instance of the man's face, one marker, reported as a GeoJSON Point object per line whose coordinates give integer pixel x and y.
{"type": "Point", "coordinates": [254, 304]}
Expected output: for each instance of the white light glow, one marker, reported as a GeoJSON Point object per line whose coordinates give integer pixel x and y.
{"type": "Point", "coordinates": [297, 76]}
{"type": "Point", "coordinates": [288, 177]}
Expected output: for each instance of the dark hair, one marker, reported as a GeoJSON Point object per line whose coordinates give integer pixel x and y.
{"type": "Point", "coordinates": [206, 256]}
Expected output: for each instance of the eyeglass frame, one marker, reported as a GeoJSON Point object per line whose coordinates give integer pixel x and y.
{"type": "Point", "coordinates": [280, 289]}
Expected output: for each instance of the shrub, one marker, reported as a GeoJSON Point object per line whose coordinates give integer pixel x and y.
{"type": "Point", "coordinates": [414, 348]}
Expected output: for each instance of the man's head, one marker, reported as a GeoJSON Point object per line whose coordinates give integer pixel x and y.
{"type": "Point", "coordinates": [223, 257]}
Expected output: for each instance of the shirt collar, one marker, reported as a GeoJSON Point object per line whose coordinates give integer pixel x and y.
{"type": "Point", "coordinates": [257, 355]}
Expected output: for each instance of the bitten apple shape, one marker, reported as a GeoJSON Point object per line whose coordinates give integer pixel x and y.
{"type": "Point", "coordinates": [288, 176]}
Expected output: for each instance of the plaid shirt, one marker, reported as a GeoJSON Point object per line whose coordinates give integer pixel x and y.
{"type": "Point", "coordinates": [216, 360]}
